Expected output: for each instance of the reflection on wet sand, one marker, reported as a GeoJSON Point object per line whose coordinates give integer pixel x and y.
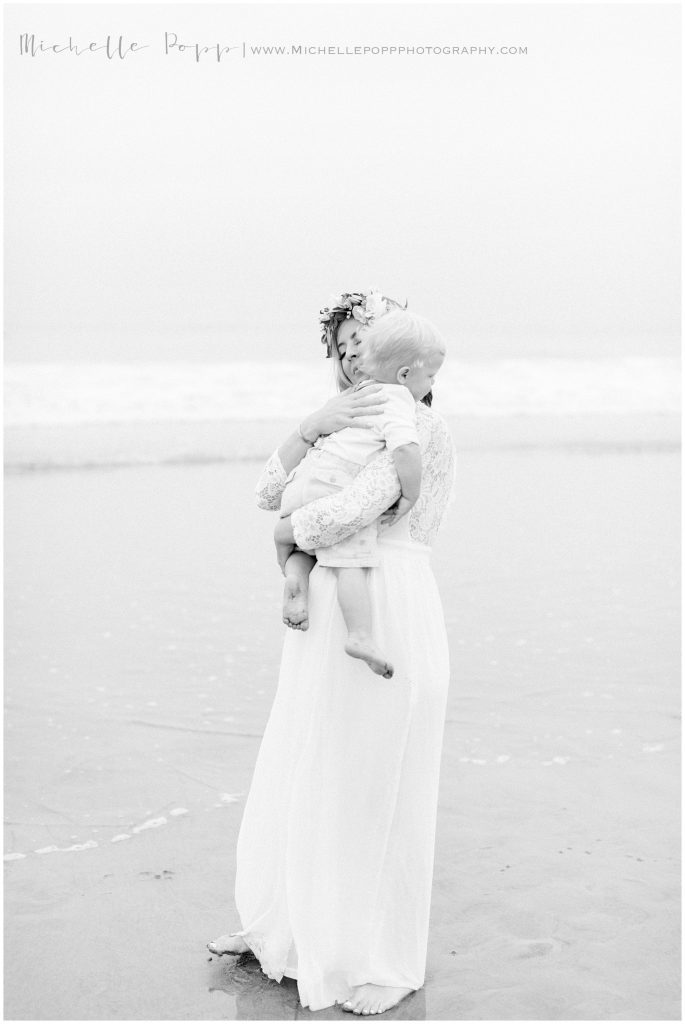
{"type": "Point", "coordinates": [259, 998]}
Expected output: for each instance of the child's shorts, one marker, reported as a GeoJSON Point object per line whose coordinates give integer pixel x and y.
{"type": "Point", "coordinates": [321, 473]}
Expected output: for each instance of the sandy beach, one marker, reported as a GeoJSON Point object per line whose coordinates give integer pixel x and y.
{"type": "Point", "coordinates": [143, 639]}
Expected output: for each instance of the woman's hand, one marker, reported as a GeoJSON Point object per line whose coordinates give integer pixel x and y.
{"type": "Point", "coordinates": [344, 410]}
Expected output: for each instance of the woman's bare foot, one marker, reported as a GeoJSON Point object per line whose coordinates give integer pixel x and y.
{"type": "Point", "coordinates": [296, 602]}
{"type": "Point", "coordinates": [363, 647]}
{"type": "Point", "coordinates": [234, 944]}
{"type": "Point", "coordinates": [369, 999]}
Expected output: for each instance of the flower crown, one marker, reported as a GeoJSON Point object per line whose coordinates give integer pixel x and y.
{"type": "Point", "coordinates": [362, 307]}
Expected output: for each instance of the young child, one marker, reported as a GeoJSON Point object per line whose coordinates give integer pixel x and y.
{"type": "Point", "coordinates": [403, 352]}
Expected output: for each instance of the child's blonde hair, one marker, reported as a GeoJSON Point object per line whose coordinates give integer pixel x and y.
{"type": "Point", "coordinates": [400, 339]}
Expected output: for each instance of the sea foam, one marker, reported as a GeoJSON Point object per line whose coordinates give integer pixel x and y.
{"type": "Point", "coordinates": [41, 394]}
{"type": "Point", "coordinates": [77, 415]}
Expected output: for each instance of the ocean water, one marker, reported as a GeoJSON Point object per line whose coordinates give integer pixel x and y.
{"type": "Point", "coordinates": [119, 393]}
{"type": "Point", "coordinates": [94, 414]}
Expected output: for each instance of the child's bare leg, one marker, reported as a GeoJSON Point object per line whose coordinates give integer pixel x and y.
{"type": "Point", "coordinates": [296, 589]}
{"type": "Point", "coordinates": [355, 604]}
{"type": "Point", "coordinates": [283, 553]}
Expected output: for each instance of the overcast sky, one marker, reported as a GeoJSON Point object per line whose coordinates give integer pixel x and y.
{"type": "Point", "coordinates": [160, 207]}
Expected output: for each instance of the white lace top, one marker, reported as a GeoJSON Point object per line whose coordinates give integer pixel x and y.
{"type": "Point", "coordinates": [336, 516]}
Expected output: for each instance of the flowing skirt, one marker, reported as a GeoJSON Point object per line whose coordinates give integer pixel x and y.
{"type": "Point", "coordinates": [335, 851]}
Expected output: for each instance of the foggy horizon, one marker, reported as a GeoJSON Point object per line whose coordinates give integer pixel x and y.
{"type": "Point", "coordinates": [161, 208]}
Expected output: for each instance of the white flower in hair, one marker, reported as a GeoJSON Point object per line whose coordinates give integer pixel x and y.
{"type": "Point", "coordinates": [364, 308]}
{"type": "Point", "coordinates": [375, 304]}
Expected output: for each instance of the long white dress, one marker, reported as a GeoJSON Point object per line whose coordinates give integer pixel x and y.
{"type": "Point", "coordinates": [335, 851]}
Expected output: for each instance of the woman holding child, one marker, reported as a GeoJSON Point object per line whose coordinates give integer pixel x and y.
{"type": "Point", "coordinates": [335, 852]}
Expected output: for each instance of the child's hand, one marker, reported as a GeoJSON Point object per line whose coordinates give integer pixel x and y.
{"type": "Point", "coordinates": [403, 506]}
{"type": "Point", "coordinates": [396, 512]}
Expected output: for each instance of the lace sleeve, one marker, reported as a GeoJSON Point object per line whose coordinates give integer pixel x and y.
{"type": "Point", "coordinates": [437, 480]}
{"type": "Point", "coordinates": [271, 484]}
{"type": "Point", "coordinates": [327, 520]}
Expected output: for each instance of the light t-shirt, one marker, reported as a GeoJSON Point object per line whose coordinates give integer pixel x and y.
{"type": "Point", "coordinates": [395, 426]}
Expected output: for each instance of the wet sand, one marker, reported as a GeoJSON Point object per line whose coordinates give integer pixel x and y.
{"type": "Point", "coordinates": [92, 444]}
{"type": "Point", "coordinates": [142, 645]}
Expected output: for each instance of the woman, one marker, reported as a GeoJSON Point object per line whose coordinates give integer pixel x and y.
{"type": "Point", "coordinates": [335, 852]}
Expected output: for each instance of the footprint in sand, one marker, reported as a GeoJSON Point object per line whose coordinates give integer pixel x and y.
{"type": "Point", "coordinates": [527, 926]}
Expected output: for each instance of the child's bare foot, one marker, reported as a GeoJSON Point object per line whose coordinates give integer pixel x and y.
{"type": "Point", "coordinates": [370, 999]}
{"type": "Point", "coordinates": [360, 646]}
{"type": "Point", "coordinates": [234, 944]}
{"type": "Point", "coordinates": [296, 603]}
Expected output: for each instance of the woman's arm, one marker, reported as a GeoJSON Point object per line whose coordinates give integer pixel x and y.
{"type": "Point", "coordinates": [342, 410]}
{"type": "Point", "coordinates": [327, 520]}
{"type": "Point", "coordinates": [271, 484]}
{"type": "Point", "coordinates": [337, 516]}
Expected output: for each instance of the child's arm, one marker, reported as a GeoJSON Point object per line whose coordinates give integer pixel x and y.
{"type": "Point", "coordinates": [401, 439]}
{"type": "Point", "coordinates": [407, 459]}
